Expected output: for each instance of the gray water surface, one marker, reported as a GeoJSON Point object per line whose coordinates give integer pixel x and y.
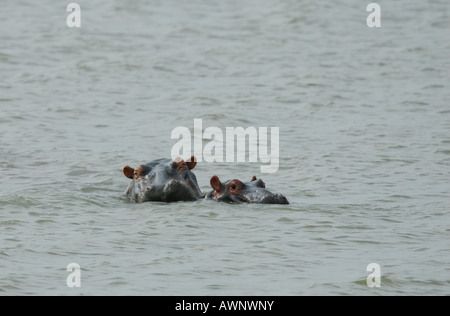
{"type": "Point", "coordinates": [364, 120]}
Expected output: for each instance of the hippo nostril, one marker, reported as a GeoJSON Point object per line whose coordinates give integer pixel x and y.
{"type": "Point", "coordinates": [148, 188]}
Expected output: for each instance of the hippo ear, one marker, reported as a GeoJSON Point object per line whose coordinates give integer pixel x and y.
{"type": "Point", "coordinates": [260, 183]}
{"type": "Point", "coordinates": [215, 183]}
{"type": "Point", "coordinates": [191, 162]}
{"type": "Point", "coordinates": [128, 172]}
{"type": "Point", "coordinates": [179, 164]}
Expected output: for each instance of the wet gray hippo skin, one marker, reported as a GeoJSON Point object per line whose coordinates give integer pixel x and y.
{"type": "Point", "coordinates": [236, 191]}
{"type": "Point", "coordinates": [163, 180]}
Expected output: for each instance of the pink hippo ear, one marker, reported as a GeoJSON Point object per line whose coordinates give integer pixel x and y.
{"type": "Point", "coordinates": [128, 172]}
{"type": "Point", "coordinates": [180, 164]}
{"type": "Point", "coordinates": [215, 183]}
{"type": "Point", "coordinates": [253, 179]}
{"type": "Point", "coordinates": [192, 162]}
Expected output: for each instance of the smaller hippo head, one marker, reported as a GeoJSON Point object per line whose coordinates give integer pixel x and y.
{"type": "Point", "coordinates": [163, 180]}
{"type": "Point", "coordinates": [236, 191]}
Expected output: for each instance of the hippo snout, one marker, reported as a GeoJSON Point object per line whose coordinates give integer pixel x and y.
{"type": "Point", "coordinates": [275, 199]}
{"type": "Point", "coordinates": [179, 190]}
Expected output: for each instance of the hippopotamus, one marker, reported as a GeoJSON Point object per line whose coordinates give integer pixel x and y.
{"type": "Point", "coordinates": [163, 180]}
{"type": "Point", "coordinates": [236, 191]}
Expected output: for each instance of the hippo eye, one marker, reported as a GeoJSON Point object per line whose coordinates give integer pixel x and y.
{"type": "Point", "coordinates": [233, 186]}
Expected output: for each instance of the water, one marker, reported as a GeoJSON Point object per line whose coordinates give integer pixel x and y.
{"type": "Point", "coordinates": [364, 146]}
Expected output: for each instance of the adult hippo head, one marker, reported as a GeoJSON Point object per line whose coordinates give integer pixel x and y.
{"type": "Point", "coordinates": [163, 180]}
{"type": "Point", "coordinates": [235, 191]}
